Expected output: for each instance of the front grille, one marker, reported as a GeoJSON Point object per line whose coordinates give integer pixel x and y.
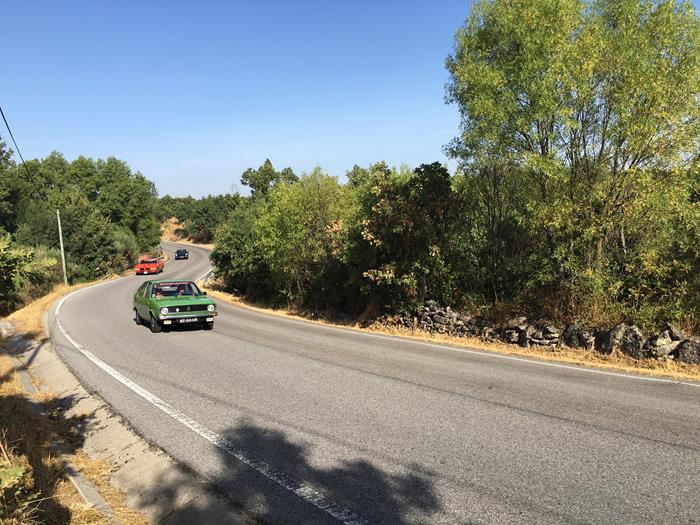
{"type": "Point", "coordinates": [187, 308]}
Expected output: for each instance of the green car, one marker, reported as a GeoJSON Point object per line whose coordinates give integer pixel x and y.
{"type": "Point", "coordinates": [166, 303]}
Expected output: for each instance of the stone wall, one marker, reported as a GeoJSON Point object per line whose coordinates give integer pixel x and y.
{"type": "Point", "coordinates": [671, 343]}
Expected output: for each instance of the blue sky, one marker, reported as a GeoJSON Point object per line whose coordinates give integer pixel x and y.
{"type": "Point", "coordinates": [191, 94]}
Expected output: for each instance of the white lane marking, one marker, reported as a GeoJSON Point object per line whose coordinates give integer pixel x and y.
{"type": "Point", "coordinates": [463, 350]}
{"type": "Point", "coordinates": [278, 477]}
{"type": "Point", "coordinates": [398, 339]}
{"type": "Point", "coordinates": [203, 275]}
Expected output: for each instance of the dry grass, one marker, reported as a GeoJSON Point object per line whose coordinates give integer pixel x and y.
{"type": "Point", "coordinates": [33, 436]}
{"type": "Point", "coordinates": [172, 232]}
{"type": "Point", "coordinates": [98, 471]}
{"type": "Point", "coordinates": [615, 362]}
{"type": "Point", "coordinates": [29, 320]}
{"type": "Point", "coordinates": [29, 437]}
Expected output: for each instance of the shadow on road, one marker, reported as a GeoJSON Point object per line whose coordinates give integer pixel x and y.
{"type": "Point", "coordinates": [355, 485]}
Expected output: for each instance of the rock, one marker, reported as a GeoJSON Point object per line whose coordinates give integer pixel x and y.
{"type": "Point", "coordinates": [488, 334]}
{"type": "Point", "coordinates": [688, 351]}
{"type": "Point", "coordinates": [632, 343]}
{"type": "Point", "coordinates": [525, 335]}
{"type": "Point", "coordinates": [663, 339]}
{"type": "Point", "coordinates": [571, 336]}
{"type": "Point", "coordinates": [664, 350]}
{"type": "Point", "coordinates": [551, 332]}
{"type": "Point", "coordinates": [439, 319]}
{"type": "Point", "coordinates": [431, 305]}
{"type": "Point", "coordinates": [516, 323]}
{"type": "Point", "coordinates": [607, 340]}
{"type": "Point", "coordinates": [675, 333]}
{"type": "Point", "coordinates": [511, 336]}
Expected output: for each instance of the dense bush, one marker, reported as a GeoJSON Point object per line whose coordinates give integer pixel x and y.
{"type": "Point", "coordinates": [576, 194]}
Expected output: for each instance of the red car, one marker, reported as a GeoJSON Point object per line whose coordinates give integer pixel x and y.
{"type": "Point", "coordinates": [146, 266]}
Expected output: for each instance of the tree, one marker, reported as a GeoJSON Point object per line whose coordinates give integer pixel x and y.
{"type": "Point", "coordinates": [265, 177]}
{"type": "Point", "coordinates": [298, 236]}
{"type": "Point", "coordinates": [401, 232]}
{"type": "Point", "coordinates": [593, 106]}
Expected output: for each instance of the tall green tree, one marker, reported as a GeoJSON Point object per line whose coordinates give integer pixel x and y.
{"type": "Point", "coordinates": [593, 105]}
{"type": "Point", "coordinates": [265, 177]}
{"type": "Point", "coordinates": [299, 233]}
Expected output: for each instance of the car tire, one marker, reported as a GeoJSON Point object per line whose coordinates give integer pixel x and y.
{"type": "Point", "coordinates": [138, 318]}
{"type": "Point", "coordinates": [156, 327]}
{"type": "Point", "coordinates": [209, 326]}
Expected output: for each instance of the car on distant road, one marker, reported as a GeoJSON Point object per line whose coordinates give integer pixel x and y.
{"type": "Point", "coordinates": [182, 254]}
{"type": "Point", "coordinates": [146, 266]}
{"type": "Point", "coordinates": [164, 303]}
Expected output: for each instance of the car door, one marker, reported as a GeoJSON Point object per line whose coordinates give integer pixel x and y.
{"type": "Point", "coordinates": [138, 298]}
{"type": "Point", "coordinates": [143, 300]}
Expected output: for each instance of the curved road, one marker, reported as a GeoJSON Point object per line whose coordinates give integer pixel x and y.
{"type": "Point", "coordinates": [301, 423]}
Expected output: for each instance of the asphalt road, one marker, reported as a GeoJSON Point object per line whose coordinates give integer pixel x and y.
{"type": "Point", "coordinates": [300, 423]}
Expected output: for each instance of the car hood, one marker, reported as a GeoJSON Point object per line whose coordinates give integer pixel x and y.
{"type": "Point", "coordinates": [182, 301]}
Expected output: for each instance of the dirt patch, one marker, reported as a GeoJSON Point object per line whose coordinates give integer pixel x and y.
{"type": "Point", "coordinates": [173, 232]}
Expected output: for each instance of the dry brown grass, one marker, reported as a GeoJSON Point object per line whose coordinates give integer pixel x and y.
{"type": "Point", "coordinates": [29, 436]}
{"type": "Point", "coordinates": [32, 435]}
{"type": "Point", "coordinates": [98, 471]}
{"type": "Point", "coordinates": [615, 362]}
{"type": "Point", "coordinates": [29, 320]}
{"type": "Point", "coordinates": [172, 232]}
{"type": "Point", "coordinates": [61, 503]}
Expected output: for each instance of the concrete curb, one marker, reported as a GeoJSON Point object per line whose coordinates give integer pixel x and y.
{"type": "Point", "coordinates": [153, 483]}
{"type": "Point", "coordinates": [85, 488]}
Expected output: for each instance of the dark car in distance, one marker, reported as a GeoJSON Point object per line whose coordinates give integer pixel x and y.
{"type": "Point", "coordinates": [182, 254]}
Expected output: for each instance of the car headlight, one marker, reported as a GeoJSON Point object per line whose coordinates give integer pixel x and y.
{"type": "Point", "coordinates": [164, 310]}
{"type": "Point", "coordinates": [211, 307]}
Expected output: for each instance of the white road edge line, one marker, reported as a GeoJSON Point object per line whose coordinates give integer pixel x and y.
{"type": "Point", "coordinates": [482, 353]}
{"type": "Point", "coordinates": [305, 492]}
{"type": "Point", "coordinates": [507, 357]}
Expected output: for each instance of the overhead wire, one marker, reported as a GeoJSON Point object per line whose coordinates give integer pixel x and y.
{"type": "Point", "coordinates": [29, 174]}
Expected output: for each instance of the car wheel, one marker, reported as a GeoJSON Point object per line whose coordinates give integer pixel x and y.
{"type": "Point", "coordinates": [138, 318]}
{"type": "Point", "coordinates": [209, 326]}
{"type": "Point", "coordinates": [156, 327]}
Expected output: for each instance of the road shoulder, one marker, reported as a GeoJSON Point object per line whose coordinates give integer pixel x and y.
{"type": "Point", "coordinates": [112, 452]}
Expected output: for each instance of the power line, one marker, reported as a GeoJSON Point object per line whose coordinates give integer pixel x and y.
{"type": "Point", "coordinates": [31, 177]}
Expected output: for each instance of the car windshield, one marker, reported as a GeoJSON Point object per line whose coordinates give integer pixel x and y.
{"type": "Point", "coordinates": [148, 261]}
{"type": "Point", "coordinates": [182, 289]}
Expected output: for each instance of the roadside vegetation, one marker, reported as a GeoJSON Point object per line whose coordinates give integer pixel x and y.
{"type": "Point", "coordinates": [33, 485]}
{"type": "Point", "coordinates": [576, 198]}
{"type": "Point", "coordinates": [108, 215]}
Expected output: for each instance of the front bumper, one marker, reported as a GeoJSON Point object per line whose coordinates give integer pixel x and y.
{"type": "Point", "coordinates": [187, 320]}
{"type": "Point", "coordinates": [188, 317]}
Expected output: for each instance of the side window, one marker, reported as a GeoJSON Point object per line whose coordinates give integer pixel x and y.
{"type": "Point", "coordinates": [142, 290]}
{"type": "Point", "coordinates": [147, 291]}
